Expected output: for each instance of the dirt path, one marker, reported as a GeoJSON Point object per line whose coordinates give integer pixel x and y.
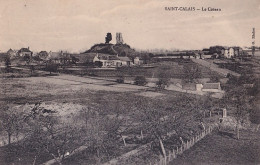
{"type": "Point", "coordinates": [215, 67]}
{"type": "Point", "coordinates": [127, 155]}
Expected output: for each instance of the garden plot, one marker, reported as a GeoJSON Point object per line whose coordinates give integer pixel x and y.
{"type": "Point", "coordinates": [151, 94]}
{"type": "Point", "coordinates": [74, 83]}
{"type": "Point", "coordinates": [129, 86]}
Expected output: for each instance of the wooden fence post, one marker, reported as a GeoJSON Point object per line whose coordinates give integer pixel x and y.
{"type": "Point", "coordinates": [169, 157]}
{"type": "Point", "coordinates": [173, 154]}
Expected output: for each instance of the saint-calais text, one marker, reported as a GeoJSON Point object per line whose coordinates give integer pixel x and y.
{"type": "Point", "coordinates": [192, 9]}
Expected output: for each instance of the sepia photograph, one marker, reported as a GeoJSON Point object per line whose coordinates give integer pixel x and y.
{"type": "Point", "coordinates": [129, 82]}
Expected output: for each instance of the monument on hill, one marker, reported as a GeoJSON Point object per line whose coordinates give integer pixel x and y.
{"type": "Point", "coordinates": [119, 38]}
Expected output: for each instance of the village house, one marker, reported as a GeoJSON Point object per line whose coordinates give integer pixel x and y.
{"type": "Point", "coordinates": [125, 61]}
{"type": "Point", "coordinates": [112, 60]}
{"type": "Point", "coordinates": [211, 87]}
{"type": "Point", "coordinates": [24, 52]}
{"type": "Point", "coordinates": [138, 61]}
{"type": "Point", "coordinates": [238, 51]}
{"type": "Point", "coordinates": [84, 58]}
{"type": "Point", "coordinates": [56, 57]}
{"type": "Point", "coordinates": [11, 53]}
{"type": "Point", "coordinates": [107, 60]}
{"type": "Point", "coordinates": [229, 52]}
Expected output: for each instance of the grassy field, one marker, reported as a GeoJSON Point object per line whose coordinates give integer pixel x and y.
{"type": "Point", "coordinates": [223, 148]}
{"type": "Point", "coordinates": [174, 69]}
{"type": "Point", "coordinates": [67, 95]}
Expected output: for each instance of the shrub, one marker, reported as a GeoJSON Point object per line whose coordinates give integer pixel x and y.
{"type": "Point", "coordinates": [120, 79]}
{"type": "Point", "coordinates": [51, 67]}
{"type": "Point", "coordinates": [140, 80]}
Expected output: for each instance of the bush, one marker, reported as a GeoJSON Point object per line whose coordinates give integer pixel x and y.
{"type": "Point", "coordinates": [120, 79]}
{"type": "Point", "coordinates": [164, 79]}
{"type": "Point", "coordinates": [51, 67]}
{"type": "Point", "coordinates": [140, 80]}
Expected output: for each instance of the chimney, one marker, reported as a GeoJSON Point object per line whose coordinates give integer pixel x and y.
{"type": "Point", "coordinates": [28, 48]}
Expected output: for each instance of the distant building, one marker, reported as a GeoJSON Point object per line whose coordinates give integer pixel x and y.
{"type": "Point", "coordinates": [56, 57]}
{"type": "Point", "coordinates": [119, 38]}
{"type": "Point", "coordinates": [211, 87]}
{"type": "Point", "coordinates": [238, 51]}
{"type": "Point", "coordinates": [24, 52]}
{"type": "Point", "coordinates": [125, 61]}
{"type": "Point", "coordinates": [107, 60]}
{"type": "Point", "coordinates": [11, 53]}
{"type": "Point", "coordinates": [138, 61]}
{"type": "Point", "coordinates": [189, 86]}
{"type": "Point", "coordinates": [231, 52]}
{"type": "Point", "coordinates": [112, 60]}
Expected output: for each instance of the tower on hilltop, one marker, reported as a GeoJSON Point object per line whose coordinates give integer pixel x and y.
{"type": "Point", "coordinates": [119, 38]}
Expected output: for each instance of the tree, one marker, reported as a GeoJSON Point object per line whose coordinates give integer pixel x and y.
{"type": "Point", "coordinates": [163, 79]}
{"type": "Point", "coordinates": [7, 63]}
{"type": "Point", "coordinates": [11, 122]}
{"type": "Point", "coordinates": [158, 120]}
{"type": "Point", "coordinates": [108, 38]}
{"type": "Point", "coordinates": [240, 105]}
{"type": "Point", "coordinates": [74, 60]}
{"type": "Point", "coordinates": [102, 133]}
{"type": "Point", "coordinates": [51, 66]}
{"type": "Point", "coordinates": [140, 80]}
{"type": "Point", "coordinates": [120, 79]}
{"type": "Point", "coordinates": [47, 134]}
{"type": "Point", "coordinates": [191, 72]}
{"type": "Point", "coordinates": [255, 115]}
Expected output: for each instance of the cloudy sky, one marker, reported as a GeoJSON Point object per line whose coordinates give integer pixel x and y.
{"type": "Point", "coordinates": [75, 25]}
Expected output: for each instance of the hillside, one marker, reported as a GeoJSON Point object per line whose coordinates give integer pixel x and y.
{"type": "Point", "coordinates": [120, 49]}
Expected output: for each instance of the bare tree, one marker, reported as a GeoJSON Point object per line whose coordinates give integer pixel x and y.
{"type": "Point", "coordinates": [46, 133]}
{"type": "Point", "coordinates": [11, 122]}
{"type": "Point", "coordinates": [163, 79]}
{"type": "Point", "coordinates": [7, 63]}
{"type": "Point", "coordinates": [191, 72]}
{"type": "Point", "coordinates": [240, 104]}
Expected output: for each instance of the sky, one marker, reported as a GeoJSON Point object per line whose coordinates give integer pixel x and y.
{"type": "Point", "coordinates": [76, 25]}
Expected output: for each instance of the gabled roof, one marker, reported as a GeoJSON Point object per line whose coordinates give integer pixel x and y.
{"type": "Point", "coordinates": [84, 57]}
{"type": "Point", "coordinates": [10, 51]}
{"type": "Point", "coordinates": [140, 58]}
{"type": "Point", "coordinates": [124, 58]}
{"type": "Point", "coordinates": [24, 50]}
{"type": "Point", "coordinates": [211, 86]}
{"type": "Point", "coordinates": [55, 55]}
{"type": "Point", "coordinates": [107, 57]}
{"type": "Point", "coordinates": [113, 58]}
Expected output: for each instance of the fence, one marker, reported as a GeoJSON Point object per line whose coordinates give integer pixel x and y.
{"type": "Point", "coordinates": [185, 146]}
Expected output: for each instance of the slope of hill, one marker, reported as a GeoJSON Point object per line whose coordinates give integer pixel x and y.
{"type": "Point", "coordinates": [120, 49]}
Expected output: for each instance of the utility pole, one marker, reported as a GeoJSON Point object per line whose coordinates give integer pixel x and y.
{"type": "Point", "coordinates": [253, 42]}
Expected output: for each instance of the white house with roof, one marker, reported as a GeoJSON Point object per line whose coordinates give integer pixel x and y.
{"type": "Point", "coordinates": [125, 61]}
{"type": "Point", "coordinates": [138, 61]}
{"type": "Point", "coordinates": [112, 60]}
{"type": "Point", "coordinates": [107, 60]}
{"type": "Point", "coordinates": [228, 52]}
{"type": "Point", "coordinates": [231, 52]}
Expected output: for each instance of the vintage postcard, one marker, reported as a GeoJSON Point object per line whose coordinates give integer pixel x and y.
{"type": "Point", "coordinates": [129, 82]}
